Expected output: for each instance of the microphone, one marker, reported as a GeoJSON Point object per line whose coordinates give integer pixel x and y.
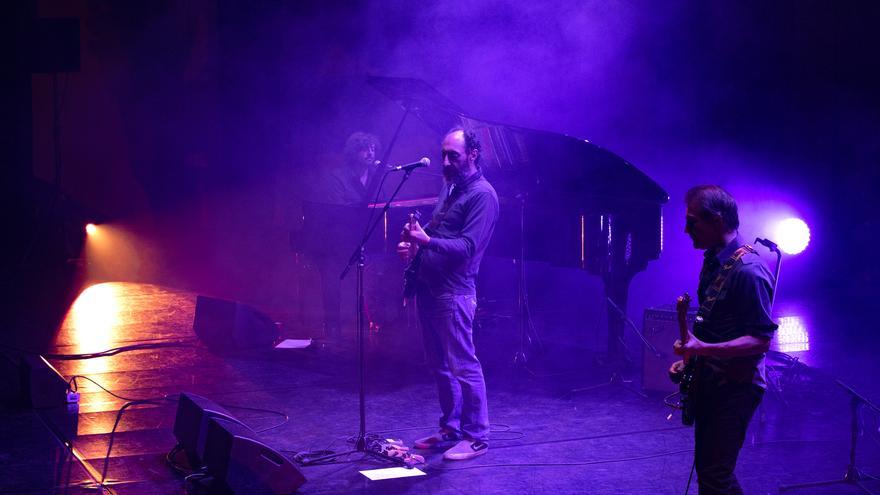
{"type": "Point", "coordinates": [768, 243]}
{"type": "Point", "coordinates": [409, 167]}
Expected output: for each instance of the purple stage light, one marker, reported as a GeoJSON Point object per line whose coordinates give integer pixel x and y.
{"type": "Point", "coordinates": [792, 235]}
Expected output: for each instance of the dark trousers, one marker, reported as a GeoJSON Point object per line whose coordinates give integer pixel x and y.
{"type": "Point", "coordinates": [722, 415]}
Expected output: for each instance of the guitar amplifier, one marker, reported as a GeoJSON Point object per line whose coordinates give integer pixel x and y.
{"type": "Point", "coordinates": [660, 328]}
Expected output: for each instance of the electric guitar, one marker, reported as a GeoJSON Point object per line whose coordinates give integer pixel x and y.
{"type": "Point", "coordinates": [412, 268]}
{"type": "Point", "coordinates": [687, 382]}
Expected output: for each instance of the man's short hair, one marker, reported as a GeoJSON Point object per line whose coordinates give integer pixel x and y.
{"type": "Point", "coordinates": [471, 142]}
{"type": "Point", "coordinates": [714, 201]}
{"type": "Point", "coordinates": [358, 141]}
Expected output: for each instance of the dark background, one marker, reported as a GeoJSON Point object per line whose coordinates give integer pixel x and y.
{"type": "Point", "coordinates": [191, 128]}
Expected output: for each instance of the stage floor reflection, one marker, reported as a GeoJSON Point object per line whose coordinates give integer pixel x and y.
{"type": "Point", "coordinates": [545, 439]}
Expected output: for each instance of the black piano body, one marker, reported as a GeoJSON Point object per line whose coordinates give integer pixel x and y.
{"type": "Point", "coordinates": [565, 201]}
{"type": "Point", "coordinates": [569, 202]}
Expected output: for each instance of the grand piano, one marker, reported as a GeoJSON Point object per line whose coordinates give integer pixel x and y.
{"type": "Point", "coordinates": [576, 204]}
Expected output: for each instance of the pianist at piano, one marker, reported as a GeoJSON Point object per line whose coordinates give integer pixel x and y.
{"type": "Point", "coordinates": [346, 183]}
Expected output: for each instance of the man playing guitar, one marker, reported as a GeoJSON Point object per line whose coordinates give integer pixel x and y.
{"type": "Point", "coordinates": [443, 281]}
{"type": "Point", "coordinates": [735, 292]}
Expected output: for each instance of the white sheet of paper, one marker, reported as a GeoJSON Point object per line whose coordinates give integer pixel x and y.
{"type": "Point", "coordinates": [391, 473]}
{"type": "Point", "coordinates": [294, 344]}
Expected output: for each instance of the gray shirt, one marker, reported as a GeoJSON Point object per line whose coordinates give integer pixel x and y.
{"type": "Point", "coordinates": [743, 308]}
{"type": "Point", "coordinates": [459, 237]}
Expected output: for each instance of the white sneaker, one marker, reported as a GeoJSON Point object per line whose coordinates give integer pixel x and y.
{"type": "Point", "coordinates": [466, 450]}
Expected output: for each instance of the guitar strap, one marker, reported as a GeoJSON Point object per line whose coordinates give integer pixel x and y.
{"type": "Point", "coordinates": [720, 282]}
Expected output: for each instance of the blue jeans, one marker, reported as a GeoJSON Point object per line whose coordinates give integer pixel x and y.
{"type": "Point", "coordinates": [447, 332]}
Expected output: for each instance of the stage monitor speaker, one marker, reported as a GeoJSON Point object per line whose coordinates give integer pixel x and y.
{"type": "Point", "coordinates": [191, 424]}
{"type": "Point", "coordinates": [228, 325]}
{"type": "Point", "coordinates": [32, 382]}
{"type": "Point", "coordinates": [240, 464]}
{"type": "Point", "coordinates": [660, 328]}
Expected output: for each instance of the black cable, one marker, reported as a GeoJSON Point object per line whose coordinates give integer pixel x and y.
{"type": "Point", "coordinates": [284, 415]}
{"type": "Point", "coordinates": [564, 464]}
{"type": "Point", "coordinates": [105, 353]}
{"type": "Point", "coordinates": [690, 477]}
{"type": "Point", "coordinates": [72, 386]}
{"type": "Point", "coordinates": [113, 433]}
{"type": "Point", "coordinates": [303, 456]}
{"type": "Point", "coordinates": [117, 350]}
{"type": "Point", "coordinates": [493, 428]}
{"type": "Point", "coordinates": [169, 459]}
{"type": "Point", "coordinates": [503, 428]}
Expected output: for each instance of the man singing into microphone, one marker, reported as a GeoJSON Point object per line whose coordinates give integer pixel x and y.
{"type": "Point", "coordinates": [448, 254]}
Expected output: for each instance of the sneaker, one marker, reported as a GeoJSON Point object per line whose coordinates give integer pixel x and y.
{"type": "Point", "coordinates": [465, 450]}
{"type": "Point", "coordinates": [438, 439]}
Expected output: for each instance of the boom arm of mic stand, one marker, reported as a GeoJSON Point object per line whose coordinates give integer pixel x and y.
{"type": "Point", "coordinates": [635, 329]}
{"type": "Point", "coordinates": [773, 247]}
{"type": "Point", "coordinates": [356, 255]}
{"type": "Point", "coordinates": [776, 275]}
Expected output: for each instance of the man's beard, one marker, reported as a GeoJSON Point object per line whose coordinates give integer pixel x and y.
{"type": "Point", "coordinates": [451, 173]}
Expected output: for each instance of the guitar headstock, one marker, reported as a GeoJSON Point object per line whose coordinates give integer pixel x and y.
{"type": "Point", "coordinates": [682, 304]}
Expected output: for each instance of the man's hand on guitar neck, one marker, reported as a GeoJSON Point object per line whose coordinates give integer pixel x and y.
{"type": "Point", "coordinates": [411, 238]}
{"type": "Point", "coordinates": [691, 347]}
{"type": "Point", "coordinates": [413, 232]}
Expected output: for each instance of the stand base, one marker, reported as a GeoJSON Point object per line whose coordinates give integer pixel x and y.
{"type": "Point", "coordinates": [616, 380]}
{"type": "Point", "coordinates": [852, 477]}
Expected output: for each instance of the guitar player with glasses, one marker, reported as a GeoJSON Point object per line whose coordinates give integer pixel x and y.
{"type": "Point", "coordinates": [444, 259]}
{"type": "Point", "coordinates": [732, 333]}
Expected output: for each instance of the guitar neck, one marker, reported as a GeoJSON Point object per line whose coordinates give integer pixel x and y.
{"type": "Point", "coordinates": [681, 308]}
{"type": "Point", "coordinates": [683, 329]}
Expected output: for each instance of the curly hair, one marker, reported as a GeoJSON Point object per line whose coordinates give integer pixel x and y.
{"type": "Point", "coordinates": [715, 201]}
{"type": "Point", "coordinates": [358, 141]}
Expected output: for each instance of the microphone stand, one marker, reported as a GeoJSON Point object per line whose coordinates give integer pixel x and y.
{"type": "Point", "coordinates": [358, 259]}
{"type": "Point", "coordinates": [775, 387]}
{"type": "Point", "coordinates": [853, 475]}
{"type": "Point", "coordinates": [648, 345]}
{"type": "Point", "coordinates": [617, 377]}
{"type": "Point", "coordinates": [528, 336]}
{"type": "Point", "coordinates": [773, 247]}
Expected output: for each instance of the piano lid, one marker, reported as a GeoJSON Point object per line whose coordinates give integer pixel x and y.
{"type": "Point", "coordinates": [533, 160]}
{"type": "Point", "coordinates": [524, 161]}
{"type": "Point", "coordinates": [421, 99]}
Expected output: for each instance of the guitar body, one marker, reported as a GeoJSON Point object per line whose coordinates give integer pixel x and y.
{"type": "Point", "coordinates": [410, 273]}
{"type": "Point", "coordinates": [687, 392]}
{"type": "Point", "coordinates": [687, 380]}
